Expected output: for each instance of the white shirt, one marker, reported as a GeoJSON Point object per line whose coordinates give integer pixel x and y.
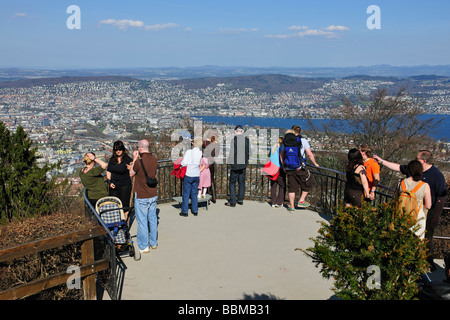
{"type": "Point", "coordinates": [191, 161]}
{"type": "Point", "coordinates": [305, 145]}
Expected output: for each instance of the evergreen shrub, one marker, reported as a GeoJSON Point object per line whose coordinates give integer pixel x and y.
{"type": "Point", "coordinates": [25, 189]}
{"type": "Point", "coordinates": [371, 252]}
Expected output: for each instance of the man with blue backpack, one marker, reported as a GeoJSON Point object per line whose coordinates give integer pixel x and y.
{"type": "Point", "coordinates": [293, 158]}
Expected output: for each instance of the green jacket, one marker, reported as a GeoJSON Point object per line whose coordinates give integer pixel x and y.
{"type": "Point", "coordinates": [94, 183]}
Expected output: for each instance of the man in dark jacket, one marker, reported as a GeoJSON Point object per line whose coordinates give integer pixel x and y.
{"type": "Point", "coordinates": [238, 161]}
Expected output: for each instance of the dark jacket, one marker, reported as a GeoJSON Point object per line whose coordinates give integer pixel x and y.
{"type": "Point", "coordinates": [239, 152]}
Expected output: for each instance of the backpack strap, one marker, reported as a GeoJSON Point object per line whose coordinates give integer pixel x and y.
{"type": "Point", "coordinates": [413, 191]}
{"type": "Point", "coordinates": [417, 187]}
{"type": "Point", "coordinates": [420, 184]}
{"type": "Point", "coordinates": [402, 185]}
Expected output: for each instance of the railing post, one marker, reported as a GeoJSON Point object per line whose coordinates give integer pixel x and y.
{"type": "Point", "coordinates": [87, 258]}
{"type": "Point", "coordinates": [336, 198]}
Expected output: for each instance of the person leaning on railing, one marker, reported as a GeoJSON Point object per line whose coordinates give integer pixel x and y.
{"type": "Point", "coordinates": [357, 185]}
{"type": "Point", "coordinates": [372, 170]}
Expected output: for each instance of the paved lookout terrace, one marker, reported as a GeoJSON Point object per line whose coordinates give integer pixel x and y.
{"type": "Point", "coordinates": [246, 252]}
{"type": "Point", "coordinates": [242, 253]}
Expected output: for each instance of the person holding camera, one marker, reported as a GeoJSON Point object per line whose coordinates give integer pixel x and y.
{"type": "Point", "coordinates": [145, 201]}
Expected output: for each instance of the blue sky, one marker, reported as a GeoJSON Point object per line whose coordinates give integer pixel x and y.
{"type": "Point", "coordinates": [189, 33]}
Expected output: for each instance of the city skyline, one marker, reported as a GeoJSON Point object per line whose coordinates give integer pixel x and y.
{"type": "Point", "coordinates": [116, 34]}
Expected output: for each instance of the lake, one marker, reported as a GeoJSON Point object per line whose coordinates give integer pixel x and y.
{"type": "Point", "coordinates": [440, 133]}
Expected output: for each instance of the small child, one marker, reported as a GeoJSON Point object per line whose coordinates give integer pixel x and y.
{"type": "Point", "coordinates": [205, 177]}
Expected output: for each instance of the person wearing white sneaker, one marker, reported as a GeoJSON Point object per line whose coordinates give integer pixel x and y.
{"type": "Point", "coordinates": [293, 159]}
{"type": "Point", "coordinates": [146, 250]}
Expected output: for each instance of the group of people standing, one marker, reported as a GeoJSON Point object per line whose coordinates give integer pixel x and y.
{"type": "Point", "coordinates": [422, 178]}
{"type": "Point", "coordinates": [362, 174]}
{"type": "Point", "coordinates": [199, 176]}
{"type": "Point", "coordinates": [432, 194]}
{"type": "Point", "coordinates": [120, 169]}
{"type": "Point", "coordinates": [296, 175]}
{"type": "Point", "coordinates": [362, 178]}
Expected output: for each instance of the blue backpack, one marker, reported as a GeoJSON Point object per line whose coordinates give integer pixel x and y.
{"type": "Point", "coordinates": [293, 158]}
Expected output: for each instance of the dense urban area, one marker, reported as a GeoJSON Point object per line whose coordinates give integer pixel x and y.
{"type": "Point", "coordinates": [68, 119]}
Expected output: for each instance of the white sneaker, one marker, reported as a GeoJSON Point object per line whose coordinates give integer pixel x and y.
{"type": "Point", "coordinates": [274, 206]}
{"type": "Point", "coordinates": [146, 250]}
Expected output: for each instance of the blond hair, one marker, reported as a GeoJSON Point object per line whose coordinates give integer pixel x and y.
{"type": "Point", "coordinates": [86, 159]}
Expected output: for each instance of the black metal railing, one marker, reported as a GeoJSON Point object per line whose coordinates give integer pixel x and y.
{"type": "Point", "coordinates": [325, 197]}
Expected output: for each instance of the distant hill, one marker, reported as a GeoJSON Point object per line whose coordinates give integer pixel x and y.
{"type": "Point", "coordinates": [176, 73]}
{"type": "Point", "coordinates": [26, 83]}
{"type": "Point", "coordinates": [270, 83]}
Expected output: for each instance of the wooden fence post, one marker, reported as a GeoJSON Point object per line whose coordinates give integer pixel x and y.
{"type": "Point", "coordinates": [87, 258]}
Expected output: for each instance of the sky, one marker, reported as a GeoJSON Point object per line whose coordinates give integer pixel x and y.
{"type": "Point", "coordinates": [253, 33]}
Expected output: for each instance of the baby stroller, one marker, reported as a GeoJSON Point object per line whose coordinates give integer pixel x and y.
{"type": "Point", "coordinates": [112, 213]}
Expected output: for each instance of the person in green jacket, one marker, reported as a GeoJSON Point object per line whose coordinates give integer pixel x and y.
{"type": "Point", "coordinates": [92, 178]}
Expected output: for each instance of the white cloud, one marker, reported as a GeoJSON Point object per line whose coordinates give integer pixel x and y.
{"type": "Point", "coordinates": [280, 36]}
{"type": "Point", "coordinates": [331, 31]}
{"type": "Point", "coordinates": [126, 23]}
{"type": "Point", "coordinates": [22, 15]}
{"type": "Point", "coordinates": [123, 24]}
{"type": "Point", "coordinates": [236, 30]}
{"type": "Point", "coordinates": [158, 27]}
{"type": "Point", "coordinates": [298, 28]}
{"type": "Point", "coordinates": [337, 28]}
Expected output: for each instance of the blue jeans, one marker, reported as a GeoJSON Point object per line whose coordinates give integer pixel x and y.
{"type": "Point", "coordinates": [147, 229]}
{"type": "Point", "coordinates": [190, 189]}
{"type": "Point", "coordinates": [238, 175]}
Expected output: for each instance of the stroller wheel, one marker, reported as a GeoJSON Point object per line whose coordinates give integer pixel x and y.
{"type": "Point", "coordinates": [134, 250]}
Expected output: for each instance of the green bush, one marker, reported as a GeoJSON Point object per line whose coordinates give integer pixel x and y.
{"type": "Point", "coordinates": [24, 186]}
{"type": "Point", "coordinates": [358, 238]}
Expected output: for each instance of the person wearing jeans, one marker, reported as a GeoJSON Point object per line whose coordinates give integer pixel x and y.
{"type": "Point", "coordinates": [145, 197]}
{"type": "Point", "coordinates": [147, 230]}
{"type": "Point", "coordinates": [191, 161]}
{"type": "Point", "coordinates": [190, 186]}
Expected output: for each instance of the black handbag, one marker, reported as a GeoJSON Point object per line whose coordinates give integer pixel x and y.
{"type": "Point", "coordinates": [151, 182]}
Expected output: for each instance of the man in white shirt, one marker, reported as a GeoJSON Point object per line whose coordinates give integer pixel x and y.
{"type": "Point", "coordinates": [191, 161]}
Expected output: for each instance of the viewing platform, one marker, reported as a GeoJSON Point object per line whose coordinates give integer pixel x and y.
{"type": "Point", "coordinates": [243, 253]}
